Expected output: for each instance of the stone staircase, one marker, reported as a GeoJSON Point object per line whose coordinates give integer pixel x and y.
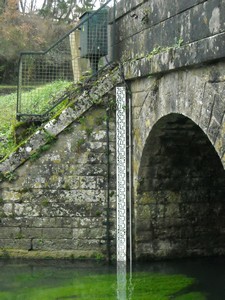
{"type": "Point", "coordinates": [91, 95]}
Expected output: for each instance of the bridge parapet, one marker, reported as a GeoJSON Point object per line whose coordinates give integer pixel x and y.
{"type": "Point", "coordinates": [181, 33]}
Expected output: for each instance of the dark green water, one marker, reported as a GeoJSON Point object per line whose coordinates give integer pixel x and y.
{"type": "Point", "coordinates": [181, 280]}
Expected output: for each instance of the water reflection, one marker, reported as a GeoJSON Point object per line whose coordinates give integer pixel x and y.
{"type": "Point", "coordinates": [124, 281]}
{"type": "Point", "coordinates": [155, 280]}
{"type": "Point", "coordinates": [121, 280]}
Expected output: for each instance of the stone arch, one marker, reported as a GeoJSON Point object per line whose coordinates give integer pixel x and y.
{"type": "Point", "coordinates": [180, 201]}
{"type": "Point", "coordinates": [197, 94]}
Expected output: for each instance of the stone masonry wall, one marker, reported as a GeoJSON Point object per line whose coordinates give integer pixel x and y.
{"type": "Point", "coordinates": [55, 203]}
{"type": "Point", "coordinates": [170, 53]}
{"type": "Point", "coordinates": [155, 26]}
{"type": "Point", "coordinates": [58, 203]}
{"type": "Point", "coordinates": [178, 163]}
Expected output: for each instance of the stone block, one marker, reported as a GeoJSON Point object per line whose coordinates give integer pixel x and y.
{"type": "Point", "coordinates": [88, 182]}
{"type": "Point", "coordinates": [90, 222]}
{"type": "Point", "coordinates": [56, 233]}
{"type": "Point", "coordinates": [89, 233]}
{"type": "Point", "coordinates": [21, 244]}
{"type": "Point", "coordinates": [16, 222]}
{"type": "Point", "coordinates": [89, 244]}
{"type": "Point", "coordinates": [9, 232]}
{"type": "Point", "coordinates": [8, 209]}
{"type": "Point", "coordinates": [11, 196]}
{"type": "Point", "coordinates": [27, 210]}
{"type": "Point", "coordinates": [29, 233]}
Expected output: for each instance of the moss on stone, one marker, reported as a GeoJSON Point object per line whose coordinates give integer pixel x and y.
{"type": "Point", "coordinates": [147, 198]}
{"type": "Point", "coordinates": [53, 254]}
{"type": "Point", "coordinates": [173, 196]}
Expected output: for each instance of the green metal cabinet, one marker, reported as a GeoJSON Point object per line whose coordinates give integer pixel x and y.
{"type": "Point", "coordinates": [93, 35]}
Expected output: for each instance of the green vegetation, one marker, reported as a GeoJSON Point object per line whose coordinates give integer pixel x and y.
{"type": "Point", "coordinates": [55, 284]}
{"type": "Point", "coordinates": [36, 101]}
{"type": "Point", "coordinates": [191, 296]}
{"type": "Point", "coordinates": [79, 144]}
{"type": "Point", "coordinates": [88, 131]}
{"type": "Point", "coordinates": [99, 120]}
{"type": "Point", "coordinates": [8, 176]}
{"type": "Point", "coordinates": [7, 89]}
{"type": "Point", "coordinates": [19, 236]}
{"type": "Point", "coordinates": [8, 119]}
{"type": "Point", "coordinates": [4, 255]}
{"type": "Point", "coordinates": [158, 49]}
{"type": "Point", "coordinates": [146, 16]}
{"type": "Point", "coordinates": [35, 155]}
{"type": "Point", "coordinates": [45, 202]}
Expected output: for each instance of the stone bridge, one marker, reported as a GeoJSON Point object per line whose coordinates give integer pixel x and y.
{"type": "Point", "coordinates": [178, 157]}
{"type": "Point", "coordinates": [60, 196]}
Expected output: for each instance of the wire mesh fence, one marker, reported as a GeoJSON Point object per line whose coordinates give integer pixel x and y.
{"type": "Point", "coordinates": [45, 77]}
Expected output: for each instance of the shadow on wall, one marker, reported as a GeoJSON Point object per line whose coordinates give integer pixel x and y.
{"type": "Point", "coordinates": [180, 208]}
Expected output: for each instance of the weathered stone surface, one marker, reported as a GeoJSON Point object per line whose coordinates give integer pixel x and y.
{"type": "Point", "coordinates": [196, 25]}
{"type": "Point", "coordinates": [58, 201]}
{"type": "Point", "coordinates": [178, 176]}
{"type": "Point", "coordinates": [66, 118]}
{"type": "Point", "coordinates": [172, 56]}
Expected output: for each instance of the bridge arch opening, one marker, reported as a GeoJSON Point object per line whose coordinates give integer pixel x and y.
{"type": "Point", "coordinates": [180, 204]}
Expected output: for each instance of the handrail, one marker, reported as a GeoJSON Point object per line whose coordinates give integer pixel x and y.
{"type": "Point", "coordinates": [68, 33]}
{"type": "Point", "coordinates": [63, 63]}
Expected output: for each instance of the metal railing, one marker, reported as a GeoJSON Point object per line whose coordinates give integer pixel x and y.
{"type": "Point", "coordinates": [45, 78]}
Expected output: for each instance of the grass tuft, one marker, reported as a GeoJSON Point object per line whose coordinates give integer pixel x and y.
{"type": "Point", "coordinates": [36, 101]}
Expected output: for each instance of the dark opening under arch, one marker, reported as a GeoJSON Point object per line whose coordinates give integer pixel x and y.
{"type": "Point", "coordinates": [180, 206]}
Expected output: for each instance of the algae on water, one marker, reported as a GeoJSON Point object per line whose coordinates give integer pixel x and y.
{"type": "Point", "coordinates": [71, 284]}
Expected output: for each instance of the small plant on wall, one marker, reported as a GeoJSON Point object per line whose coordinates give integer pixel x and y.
{"type": "Point", "coordinates": [79, 144]}
{"type": "Point", "coordinates": [45, 202]}
{"type": "Point", "coordinates": [8, 176]}
{"type": "Point", "coordinates": [146, 16]}
{"type": "Point", "coordinates": [88, 131]}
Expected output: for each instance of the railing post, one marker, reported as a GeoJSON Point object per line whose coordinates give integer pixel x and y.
{"type": "Point", "coordinates": [114, 31]}
{"type": "Point", "coordinates": [19, 85]}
